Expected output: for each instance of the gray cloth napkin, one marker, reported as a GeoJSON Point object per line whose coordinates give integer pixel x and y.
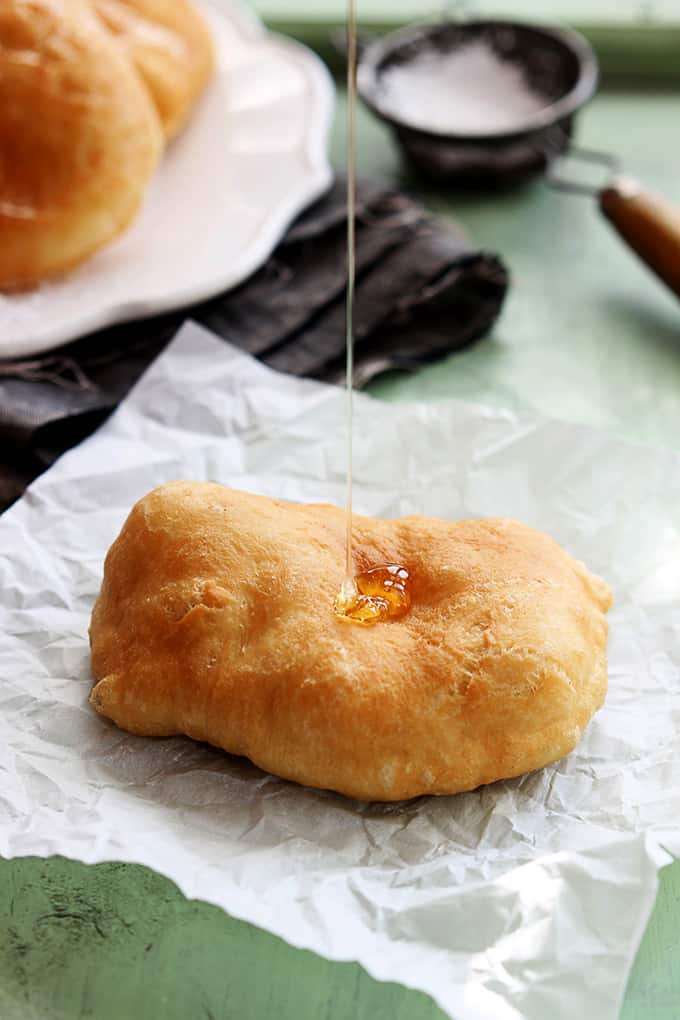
{"type": "Point", "coordinates": [423, 290]}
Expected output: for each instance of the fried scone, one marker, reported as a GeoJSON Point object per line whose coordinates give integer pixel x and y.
{"type": "Point", "coordinates": [170, 45]}
{"type": "Point", "coordinates": [79, 139]}
{"type": "Point", "coordinates": [215, 620]}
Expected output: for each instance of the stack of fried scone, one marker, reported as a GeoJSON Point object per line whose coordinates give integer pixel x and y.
{"type": "Point", "coordinates": [216, 620]}
{"type": "Point", "coordinates": [90, 92]}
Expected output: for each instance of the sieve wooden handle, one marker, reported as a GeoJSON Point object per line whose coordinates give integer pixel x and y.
{"type": "Point", "coordinates": [649, 223]}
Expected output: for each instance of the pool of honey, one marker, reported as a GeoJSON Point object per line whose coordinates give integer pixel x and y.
{"type": "Point", "coordinates": [380, 593]}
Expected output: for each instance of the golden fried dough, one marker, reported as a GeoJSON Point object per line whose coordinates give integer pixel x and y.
{"type": "Point", "coordinates": [89, 90]}
{"type": "Point", "coordinates": [215, 620]}
{"type": "Point", "coordinates": [170, 45]}
{"type": "Point", "coordinates": [79, 138]}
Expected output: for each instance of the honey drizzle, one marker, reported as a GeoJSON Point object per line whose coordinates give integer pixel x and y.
{"type": "Point", "coordinates": [348, 585]}
{"type": "Point", "coordinates": [382, 592]}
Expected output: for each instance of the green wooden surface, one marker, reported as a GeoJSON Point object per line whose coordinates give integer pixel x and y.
{"type": "Point", "coordinates": [587, 335]}
{"type": "Point", "coordinates": [616, 12]}
{"type": "Point", "coordinates": [635, 38]}
{"type": "Point", "coordinates": [585, 12]}
{"type": "Point", "coordinates": [118, 942]}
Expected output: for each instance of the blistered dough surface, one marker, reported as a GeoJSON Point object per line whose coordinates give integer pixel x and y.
{"type": "Point", "coordinates": [215, 620]}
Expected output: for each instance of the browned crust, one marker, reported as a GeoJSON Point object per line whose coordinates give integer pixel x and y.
{"type": "Point", "coordinates": [79, 139]}
{"type": "Point", "coordinates": [215, 620]}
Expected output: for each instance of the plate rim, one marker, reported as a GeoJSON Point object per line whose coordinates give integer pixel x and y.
{"type": "Point", "coordinates": [266, 236]}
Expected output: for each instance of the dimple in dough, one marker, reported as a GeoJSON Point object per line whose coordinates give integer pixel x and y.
{"type": "Point", "coordinates": [215, 620]}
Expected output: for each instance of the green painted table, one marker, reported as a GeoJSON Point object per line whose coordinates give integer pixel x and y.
{"type": "Point", "coordinates": [587, 335]}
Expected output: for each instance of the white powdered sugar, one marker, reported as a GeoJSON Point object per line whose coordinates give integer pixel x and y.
{"type": "Point", "coordinates": [469, 91]}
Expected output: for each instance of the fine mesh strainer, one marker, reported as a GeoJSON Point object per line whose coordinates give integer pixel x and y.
{"type": "Point", "coordinates": [559, 71]}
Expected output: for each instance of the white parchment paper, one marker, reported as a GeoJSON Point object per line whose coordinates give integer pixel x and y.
{"type": "Point", "coordinates": [523, 900]}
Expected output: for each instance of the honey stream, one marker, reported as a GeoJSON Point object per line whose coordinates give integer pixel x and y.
{"type": "Point", "coordinates": [380, 592]}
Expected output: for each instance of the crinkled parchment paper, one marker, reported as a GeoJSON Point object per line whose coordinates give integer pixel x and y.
{"type": "Point", "coordinates": [525, 899]}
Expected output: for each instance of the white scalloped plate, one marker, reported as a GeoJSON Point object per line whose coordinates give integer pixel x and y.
{"type": "Point", "coordinates": [251, 159]}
